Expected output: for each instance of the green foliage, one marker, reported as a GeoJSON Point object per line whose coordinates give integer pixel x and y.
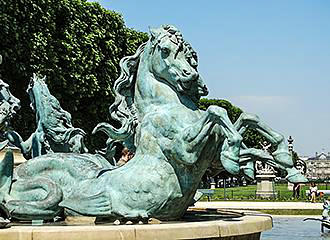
{"type": "Point", "coordinates": [251, 137]}
{"type": "Point", "coordinates": [233, 111]}
{"type": "Point", "coordinates": [76, 44]}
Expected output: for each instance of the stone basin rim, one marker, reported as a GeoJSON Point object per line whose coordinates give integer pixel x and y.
{"type": "Point", "coordinates": [240, 228]}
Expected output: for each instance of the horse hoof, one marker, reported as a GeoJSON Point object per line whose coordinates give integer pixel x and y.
{"type": "Point", "coordinates": [154, 221]}
{"type": "Point", "coordinates": [294, 176]}
{"type": "Point", "coordinates": [250, 117]}
{"type": "Point", "coordinates": [230, 163]}
{"type": "Point", "coordinates": [117, 222]}
{"type": "Point", "coordinates": [283, 158]}
{"type": "Point", "coordinates": [4, 222]}
{"type": "Point", "coordinates": [249, 173]}
{"type": "Point", "coordinates": [4, 216]}
{"type": "Point", "coordinates": [4, 212]}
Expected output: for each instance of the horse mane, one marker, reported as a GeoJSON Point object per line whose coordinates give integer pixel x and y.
{"type": "Point", "coordinates": [123, 109]}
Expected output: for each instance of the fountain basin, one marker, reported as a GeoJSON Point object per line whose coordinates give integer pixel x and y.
{"type": "Point", "coordinates": [246, 227]}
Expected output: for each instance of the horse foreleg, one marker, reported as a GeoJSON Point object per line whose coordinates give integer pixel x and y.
{"type": "Point", "coordinates": [217, 123]}
{"type": "Point", "coordinates": [32, 147]}
{"type": "Point", "coordinates": [24, 146]}
{"type": "Point", "coordinates": [229, 156]}
{"type": "Point", "coordinates": [280, 158]}
{"type": "Point", "coordinates": [193, 140]}
{"type": "Point", "coordinates": [281, 155]}
{"type": "Point", "coordinates": [247, 120]}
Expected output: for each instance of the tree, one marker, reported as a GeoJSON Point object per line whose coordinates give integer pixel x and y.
{"type": "Point", "coordinates": [76, 44]}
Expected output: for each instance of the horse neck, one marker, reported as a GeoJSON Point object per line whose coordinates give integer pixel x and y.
{"type": "Point", "coordinates": [150, 93]}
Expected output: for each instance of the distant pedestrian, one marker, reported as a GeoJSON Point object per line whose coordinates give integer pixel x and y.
{"type": "Point", "coordinates": [126, 155]}
{"type": "Point", "coordinates": [296, 190]}
{"type": "Point", "coordinates": [313, 192]}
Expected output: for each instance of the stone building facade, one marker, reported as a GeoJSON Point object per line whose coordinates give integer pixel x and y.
{"type": "Point", "coordinates": [318, 167]}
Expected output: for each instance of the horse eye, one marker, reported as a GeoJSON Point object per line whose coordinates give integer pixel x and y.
{"type": "Point", "coordinates": [166, 51]}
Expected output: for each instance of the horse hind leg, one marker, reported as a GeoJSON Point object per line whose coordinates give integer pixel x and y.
{"type": "Point", "coordinates": [28, 200]}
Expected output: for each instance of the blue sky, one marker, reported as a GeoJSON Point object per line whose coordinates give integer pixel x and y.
{"type": "Point", "coordinates": [271, 58]}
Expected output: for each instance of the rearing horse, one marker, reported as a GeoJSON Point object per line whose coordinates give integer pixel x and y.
{"type": "Point", "coordinates": [175, 142]}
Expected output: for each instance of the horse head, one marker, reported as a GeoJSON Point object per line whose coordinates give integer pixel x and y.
{"type": "Point", "coordinates": [174, 62]}
{"type": "Point", "coordinates": [37, 88]}
{"type": "Point", "coordinates": [46, 106]}
{"type": "Point", "coordinates": [8, 104]}
{"type": "Point", "coordinates": [42, 102]}
{"type": "Point", "coordinates": [55, 121]}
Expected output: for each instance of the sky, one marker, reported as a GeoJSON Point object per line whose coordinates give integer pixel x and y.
{"type": "Point", "coordinates": [271, 58]}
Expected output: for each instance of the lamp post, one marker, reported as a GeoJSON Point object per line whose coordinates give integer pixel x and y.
{"type": "Point", "coordinates": [290, 145]}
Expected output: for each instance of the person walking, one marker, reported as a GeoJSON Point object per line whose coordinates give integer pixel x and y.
{"type": "Point", "coordinates": [296, 190]}
{"type": "Point", "coordinates": [313, 192]}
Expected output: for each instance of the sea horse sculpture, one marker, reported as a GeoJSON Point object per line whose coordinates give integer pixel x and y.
{"type": "Point", "coordinates": [8, 107]}
{"type": "Point", "coordinates": [156, 103]}
{"type": "Point", "coordinates": [54, 132]}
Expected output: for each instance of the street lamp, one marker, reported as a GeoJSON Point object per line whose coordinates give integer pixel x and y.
{"type": "Point", "coordinates": [290, 145]}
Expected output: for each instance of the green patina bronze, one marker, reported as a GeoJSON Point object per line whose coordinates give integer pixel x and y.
{"type": "Point", "coordinates": [8, 107]}
{"type": "Point", "coordinates": [54, 132]}
{"type": "Point", "coordinates": [174, 143]}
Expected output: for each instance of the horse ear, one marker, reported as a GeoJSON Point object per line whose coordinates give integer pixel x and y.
{"type": "Point", "coordinates": [153, 32]}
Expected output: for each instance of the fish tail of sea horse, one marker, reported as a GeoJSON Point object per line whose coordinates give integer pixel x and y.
{"type": "Point", "coordinates": [6, 174]}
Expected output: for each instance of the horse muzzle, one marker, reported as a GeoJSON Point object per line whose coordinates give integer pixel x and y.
{"type": "Point", "coordinates": [203, 91]}
{"type": "Point", "coordinates": [202, 88]}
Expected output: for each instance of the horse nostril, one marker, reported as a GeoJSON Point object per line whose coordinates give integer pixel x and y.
{"type": "Point", "coordinates": [203, 91]}
{"type": "Point", "coordinates": [185, 71]}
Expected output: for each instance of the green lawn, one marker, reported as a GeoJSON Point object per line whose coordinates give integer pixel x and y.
{"type": "Point", "coordinates": [247, 193]}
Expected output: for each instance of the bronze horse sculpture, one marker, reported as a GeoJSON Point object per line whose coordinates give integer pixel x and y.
{"type": "Point", "coordinates": [9, 105]}
{"type": "Point", "coordinates": [54, 131]}
{"type": "Point", "coordinates": [174, 144]}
